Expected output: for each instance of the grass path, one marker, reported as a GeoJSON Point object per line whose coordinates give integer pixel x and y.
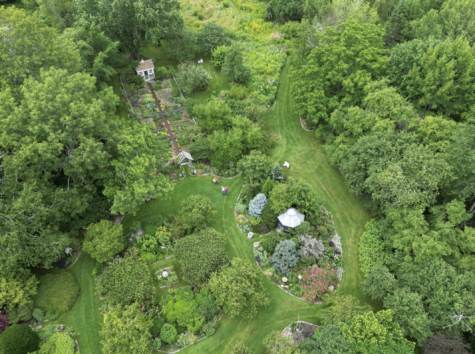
{"type": "Point", "coordinates": [309, 162]}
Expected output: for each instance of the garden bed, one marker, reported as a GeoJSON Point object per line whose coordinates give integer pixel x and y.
{"type": "Point", "coordinates": [166, 276]}
{"type": "Point", "coordinates": [299, 331]}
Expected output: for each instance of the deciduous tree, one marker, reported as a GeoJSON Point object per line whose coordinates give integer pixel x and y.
{"type": "Point", "coordinates": [104, 240]}
{"type": "Point", "coordinates": [255, 169]}
{"type": "Point", "coordinates": [196, 212]}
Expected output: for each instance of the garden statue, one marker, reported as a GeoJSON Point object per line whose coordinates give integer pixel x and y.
{"type": "Point", "coordinates": [165, 274]}
{"type": "Point", "coordinates": [250, 234]}
{"type": "Point", "coordinates": [68, 250]}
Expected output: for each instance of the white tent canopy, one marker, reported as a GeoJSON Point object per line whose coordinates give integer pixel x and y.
{"type": "Point", "coordinates": [291, 218]}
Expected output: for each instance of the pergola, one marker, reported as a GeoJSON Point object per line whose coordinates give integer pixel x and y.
{"type": "Point", "coordinates": [290, 219]}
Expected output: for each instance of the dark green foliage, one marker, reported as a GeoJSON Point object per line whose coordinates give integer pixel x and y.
{"type": "Point", "coordinates": [136, 225]}
{"type": "Point", "coordinates": [19, 339]}
{"type": "Point", "coordinates": [206, 307]}
{"type": "Point", "coordinates": [234, 67]}
{"type": "Point", "coordinates": [201, 254]}
{"type": "Point", "coordinates": [440, 343]}
{"type": "Point", "coordinates": [136, 81]}
{"type": "Point", "coordinates": [285, 257]}
{"type": "Point", "coordinates": [57, 291]}
{"type": "Point", "coordinates": [200, 149]}
{"type": "Point", "coordinates": [326, 340]}
{"type": "Point", "coordinates": [38, 314]}
{"type": "Point", "coordinates": [157, 326]}
{"type": "Point", "coordinates": [304, 229]}
{"type": "Point", "coordinates": [267, 187]}
{"type": "Point", "coordinates": [211, 37]}
{"type": "Point", "coordinates": [182, 47]}
{"type": "Point", "coordinates": [156, 220]}
{"type": "Point", "coordinates": [150, 230]}
{"type": "Point", "coordinates": [269, 217]}
{"type": "Point", "coordinates": [270, 242]}
{"type": "Point", "coordinates": [286, 10]}
{"type": "Point", "coordinates": [20, 313]}
{"type": "Point", "coordinates": [168, 334]}
{"type": "Point", "coordinates": [127, 281]}
{"type": "Point", "coordinates": [297, 290]}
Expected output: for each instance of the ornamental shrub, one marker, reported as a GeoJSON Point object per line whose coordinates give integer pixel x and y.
{"type": "Point", "coordinates": [150, 229]}
{"type": "Point", "coordinates": [157, 326]}
{"type": "Point", "coordinates": [136, 81]}
{"type": "Point", "coordinates": [277, 174]}
{"type": "Point", "coordinates": [218, 55]}
{"type": "Point", "coordinates": [57, 291]}
{"type": "Point", "coordinates": [315, 282]}
{"type": "Point", "coordinates": [19, 339]}
{"type": "Point", "coordinates": [38, 314]}
{"type": "Point", "coordinates": [156, 344]}
{"type": "Point", "coordinates": [372, 250]}
{"type": "Point", "coordinates": [269, 217]}
{"type": "Point", "coordinates": [270, 242]}
{"type": "Point", "coordinates": [285, 257]}
{"type": "Point", "coordinates": [297, 290]}
{"type": "Point", "coordinates": [209, 328]}
{"type": "Point", "coordinates": [20, 313]}
{"type": "Point", "coordinates": [168, 334]}
{"type": "Point", "coordinates": [257, 204]}
{"type": "Point", "coordinates": [62, 344]}
{"type": "Point", "coordinates": [186, 339]}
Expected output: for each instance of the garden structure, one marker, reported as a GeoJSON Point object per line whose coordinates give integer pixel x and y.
{"type": "Point", "coordinates": [290, 219]}
{"type": "Point", "coordinates": [146, 69]}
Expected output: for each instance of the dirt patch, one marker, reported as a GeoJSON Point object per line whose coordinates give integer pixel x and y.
{"type": "Point", "coordinates": [301, 331]}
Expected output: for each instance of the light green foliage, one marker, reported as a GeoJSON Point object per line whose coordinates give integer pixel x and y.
{"type": "Point", "coordinates": [379, 282]}
{"type": "Point", "coordinates": [370, 330]}
{"type": "Point", "coordinates": [31, 46]}
{"type": "Point", "coordinates": [332, 74]}
{"type": "Point", "coordinates": [184, 310]}
{"type": "Point", "coordinates": [285, 257]}
{"type": "Point", "coordinates": [19, 339]}
{"type": "Point", "coordinates": [256, 205]}
{"type": "Point", "coordinates": [267, 187]}
{"type": "Point", "coordinates": [20, 313]}
{"type": "Point", "coordinates": [211, 37]}
{"type": "Point", "coordinates": [134, 22]}
{"type": "Point", "coordinates": [59, 154]}
{"type": "Point", "coordinates": [285, 10]}
{"type": "Point", "coordinates": [126, 330]}
{"type": "Point", "coordinates": [59, 343]}
{"type": "Point", "coordinates": [342, 309]}
{"type": "Point", "coordinates": [57, 13]}
{"type": "Point", "coordinates": [372, 249]}
{"type": "Point", "coordinates": [136, 81]}
{"type": "Point", "coordinates": [218, 55]}
{"type": "Point", "coordinates": [226, 147]}
{"type": "Point", "coordinates": [276, 343]}
{"type": "Point", "coordinates": [201, 254]}
{"type": "Point", "coordinates": [168, 334]}
{"type": "Point", "coordinates": [140, 153]}
{"type": "Point", "coordinates": [326, 340]}
{"type": "Point", "coordinates": [183, 46]}
{"type": "Point", "coordinates": [196, 213]}
{"type": "Point", "coordinates": [239, 289]}
{"type": "Point", "coordinates": [95, 48]}
{"type": "Point", "coordinates": [238, 92]}
{"type": "Point", "coordinates": [277, 174]}
{"type": "Point", "coordinates": [455, 18]}
{"type": "Point", "coordinates": [186, 339]}
{"type": "Point", "coordinates": [17, 291]}
{"type": "Point", "coordinates": [440, 80]}
{"type": "Point", "coordinates": [233, 66]}
{"type": "Point", "coordinates": [57, 291]}
{"type": "Point", "coordinates": [240, 348]}
{"type": "Point", "coordinates": [126, 281]}
{"type": "Point", "coordinates": [255, 169]}
{"type": "Point", "coordinates": [104, 240]}
{"type": "Point", "coordinates": [215, 115]}
{"type": "Point", "coordinates": [192, 77]}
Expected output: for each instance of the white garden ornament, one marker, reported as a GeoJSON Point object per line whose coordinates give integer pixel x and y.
{"type": "Point", "coordinates": [250, 234]}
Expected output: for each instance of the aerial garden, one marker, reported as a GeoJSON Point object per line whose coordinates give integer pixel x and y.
{"type": "Point", "coordinates": [324, 203]}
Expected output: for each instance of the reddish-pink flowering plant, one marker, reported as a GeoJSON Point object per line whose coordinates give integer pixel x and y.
{"type": "Point", "coordinates": [315, 282]}
{"type": "Point", "coordinates": [3, 322]}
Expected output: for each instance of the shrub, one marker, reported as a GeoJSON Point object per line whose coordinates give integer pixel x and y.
{"type": "Point", "coordinates": [257, 204]}
{"type": "Point", "coordinates": [38, 314]}
{"type": "Point", "coordinates": [157, 87]}
{"type": "Point", "coordinates": [136, 81]}
{"type": "Point", "coordinates": [156, 344]}
{"type": "Point", "coordinates": [157, 326]}
{"type": "Point", "coordinates": [104, 240]}
{"type": "Point", "coordinates": [200, 17]}
{"type": "Point", "coordinates": [19, 339]}
{"type": "Point", "coordinates": [195, 12]}
{"type": "Point", "coordinates": [156, 220]}
{"type": "Point", "coordinates": [311, 247]}
{"type": "Point", "coordinates": [269, 217]}
{"type": "Point", "coordinates": [240, 208]}
{"type": "Point", "coordinates": [297, 290]}
{"type": "Point", "coordinates": [186, 339]}
{"type": "Point", "coordinates": [372, 250]}
{"type": "Point", "coordinates": [20, 313]}
{"type": "Point", "coordinates": [209, 328]}
{"type": "Point", "coordinates": [57, 291]}
{"type": "Point", "coordinates": [218, 55]}
{"type": "Point", "coordinates": [270, 242]}
{"type": "Point", "coordinates": [225, 4]}
{"type": "Point", "coordinates": [52, 314]}
{"type": "Point", "coordinates": [150, 230]}
{"type": "Point", "coordinates": [61, 342]}
{"type": "Point", "coordinates": [168, 334]}
{"type": "Point", "coordinates": [238, 92]}
{"type": "Point", "coordinates": [148, 258]}
{"type": "Point", "coordinates": [285, 257]}
{"type": "Point", "coordinates": [191, 77]}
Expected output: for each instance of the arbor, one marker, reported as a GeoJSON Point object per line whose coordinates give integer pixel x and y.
{"type": "Point", "coordinates": [238, 288]}
{"type": "Point", "coordinates": [135, 177]}
{"type": "Point", "coordinates": [233, 66]}
{"type": "Point", "coordinates": [196, 213]}
{"type": "Point", "coordinates": [285, 257]}
{"type": "Point", "coordinates": [126, 329]}
{"type": "Point", "coordinates": [201, 254]}
{"type": "Point", "coordinates": [31, 46]}
{"type": "Point", "coordinates": [19, 339]}
{"type": "Point", "coordinates": [257, 204]}
{"type": "Point", "coordinates": [104, 240]}
{"type": "Point", "coordinates": [127, 280]}
{"type": "Point", "coordinates": [134, 22]}
{"type": "Point", "coordinates": [191, 77]}
{"type": "Point", "coordinates": [17, 291]}
{"type": "Point", "coordinates": [95, 49]}
{"type": "Point", "coordinates": [338, 69]}
{"type": "Point", "coordinates": [255, 168]}
{"type": "Point", "coordinates": [211, 37]}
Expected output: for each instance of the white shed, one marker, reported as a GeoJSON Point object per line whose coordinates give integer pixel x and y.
{"type": "Point", "coordinates": [291, 218]}
{"type": "Point", "coordinates": [146, 69]}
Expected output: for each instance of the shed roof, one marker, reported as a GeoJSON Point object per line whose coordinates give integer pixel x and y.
{"type": "Point", "coordinates": [291, 218]}
{"type": "Point", "coordinates": [145, 65]}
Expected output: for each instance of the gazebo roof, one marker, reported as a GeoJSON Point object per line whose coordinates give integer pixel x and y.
{"type": "Point", "coordinates": [291, 218]}
{"type": "Point", "coordinates": [145, 65]}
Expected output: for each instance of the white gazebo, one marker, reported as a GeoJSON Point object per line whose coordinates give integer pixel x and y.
{"type": "Point", "coordinates": [290, 219]}
{"type": "Point", "coordinates": [146, 69]}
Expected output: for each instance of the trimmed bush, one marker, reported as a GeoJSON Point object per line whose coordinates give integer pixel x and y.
{"type": "Point", "coordinates": [59, 343]}
{"type": "Point", "coordinates": [270, 242]}
{"type": "Point", "coordinates": [285, 257]}
{"type": "Point", "coordinates": [19, 339]}
{"type": "Point", "coordinates": [168, 334]}
{"type": "Point", "coordinates": [257, 204]}
{"type": "Point", "coordinates": [38, 314]}
{"type": "Point", "coordinates": [157, 326]}
{"type": "Point", "coordinates": [57, 291]}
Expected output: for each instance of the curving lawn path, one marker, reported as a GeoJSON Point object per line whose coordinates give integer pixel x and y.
{"type": "Point", "coordinates": [309, 162]}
